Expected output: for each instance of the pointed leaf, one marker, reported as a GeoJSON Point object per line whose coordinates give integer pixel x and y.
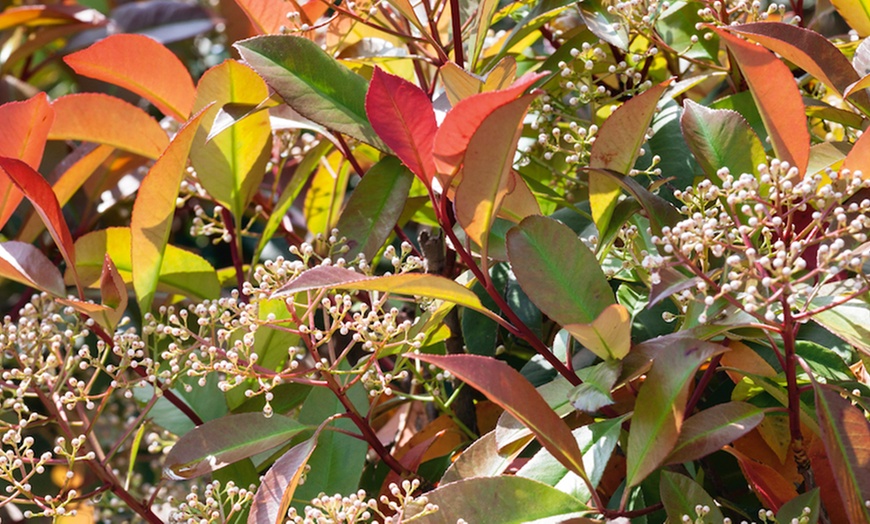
{"type": "Point", "coordinates": [608, 336]}
{"type": "Point", "coordinates": [856, 13]}
{"type": "Point", "coordinates": [481, 459]}
{"type": "Point", "coordinates": [721, 138]}
{"type": "Point", "coordinates": [598, 381]}
{"type": "Point", "coordinates": [510, 390]}
{"type": "Point", "coordinates": [267, 16]}
{"type": "Point", "coordinates": [681, 495]}
{"type": "Point", "coordinates": [113, 292]}
{"type": "Point", "coordinates": [313, 83]}
{"type": "Point", "coordinates": [659, 211]}
{"type": "Point", "coordinates": [232, 164]}
{"type": "Point", "coordinates": [225, 440]}
{"type": "Point", "coordinates": [104, 119]}
{"type": "Point", "coordinates": [557, 271]}
{"type": "Point", "coordinates": [276, 490]}
{"type": "Point", "coordinates": [374, 207]}
{"type": "Point", "coordinates": [606, 26]}
{"type": "Point", "coordinates": [486, 177]}
{"type": "Point", "coordinates": [153, 212]}
{"type": "Point", "coordinates": [459, 84]}
{"type": "Point", "coordinates": [22, 136]}
{"type": "Point", "coordinates": [777, 97]}
{"type": "Point", "coordinates": [402, 115]}
{"type": "Point", "coordinates": [616, 147]}
{"type": "Point", "coordinates": [25, 264]}
{"type": "Point", "coordinates": [846, 434]}
{"type": "Point", "coordinates": [659, 410]}
{"type": "Point", "coordinates": [126, 59]}
{"type": "Point", "coordinates": [713, 428]}
{"type": "Point", "coordinates": [771, 487]}
{"type": "Point", "coordinates": [858, 158]}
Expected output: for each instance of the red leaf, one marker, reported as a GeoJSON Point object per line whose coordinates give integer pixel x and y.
{"type": "Point", "coordinates": [40, 194]}
{"type": "Point", "coordinates": [772, 488]}
{"type": "Point", "coordinates": [275, 493]}
{"type": "Point", "coordinates": [858, 158]}
{"type": "Point", "coordinates": [462, 121]}
{"type": "Point", "coordinates": [777, 96]}
{"type": "Point", "coordinates": [26, 264]}
{"type": "Point", "coordinates": [126, 60]}
{"type": "Point", "coordinates": [22, 135]}
{"type": "Point", "coordinates": [402, 115]}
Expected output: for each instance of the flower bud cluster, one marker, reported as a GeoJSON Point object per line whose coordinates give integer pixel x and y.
{"type": "Point", "coordinates": [357, 509]}
{"type": "Point", "coordinates": [216, 503]}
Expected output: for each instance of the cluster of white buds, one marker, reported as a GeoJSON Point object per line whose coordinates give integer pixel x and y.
{"type": "Point", "coordinates": [216, 503]}
{"type": "Point", "coordinates": [357, 508]}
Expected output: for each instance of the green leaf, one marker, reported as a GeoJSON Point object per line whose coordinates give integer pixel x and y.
{"type": "Point", "coordinates": [594, 392]}
{"type": "Point", "coordinates": [721, 138]}
{"type": "Point", "coordinates": [276, 490]}
{"type": "Point", "coordinates": [846, 434]}
{"type": "Point", "coordinates": [659, 211]}
{"type": "Point", "coordinates": [824, 362]}
{"type": "Point", "coordinates": [374, 207]}
{"type": "Point", "coordinates": [506, 500]}
{"type": "Point", "coordinates": [709, 430]}
{"type": "Point", "coordinates": [226, 440]}
{"type": "Point", "coordinates": [793, 510]}
{"type": "Point", "coordinates": [482, 459]}
{"type": "Point", "coordinates": [659, 410]}
{"type": "Point", "coordinates": [325, 194]}
{"type": "Point", "coordinates": [681, 495]}
{"type": "Point", "coordinates": [676, 26]}
{"type": "Point", "coordinates": [603, 24]}
{"type": "Point", "coordinates": [850, 321]}
{"type": "Point", "coordinates": [312, 83]}
{"type": "Point", "coordinates": [557, 271]}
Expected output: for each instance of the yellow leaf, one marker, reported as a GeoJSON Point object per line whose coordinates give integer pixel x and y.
{"type": "Point", "coordinates": [608, 336]}
{"type": "Point", "coordinates": [856, 13]}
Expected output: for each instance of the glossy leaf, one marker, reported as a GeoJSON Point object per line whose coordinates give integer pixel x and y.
{"type": "Point", "coordinates": [267, 16]}
{"type": "Point", "coordinates": [26, 264]}
{"type": "Point", "coordinates": [849, 321]}
{"type": "Point", "coordinates": [273, 496]}
{"type": "Point", "coordinates": [681, 495]}
{"type": "Point", "coordinates": [374, 207]}
{"type": "Point", "coordinates": [181, 271]}
{"type": "Point", "coordinates": [659, 211]}
{"type": "Point", "coordinates": [402, 115]}
{"type": "Point", "coordinates": [94, 117]}
{"type": "Point", "coordinates": [794, 509]}
{"type": "Point", "coordinates": [325, 195]}
{"type": "Point", "coordinates": [507, 388]}
{"type": "Point", "coordinates": [557, 271]}
{"type": "Point", "coordinates": [487, 173]}
{"type": "Point", "coordinates": [713, 428]}
{"type": "Point", "coordinates": [226, 440]}
{"type": "Point", "coordinates": [676, 26]}
{"type": "Point", "coordinates": [598, 381]}
{"type": "Point", "coordinates": [856, 13]}
{"type": "Point", "coordinates": [858, 158]}
{"type": "Point", "coordinates": [125, 60]}
{"type": "Point", "coordinates": [659, 410]}
{"type": "Point", "coordinates": [846, 434]}
{"type": "Point", "coordinates": [506, 500]}
{"type": "Point", "coordinates": [22, 136]}
{"type": "Point", "coordinates": [312, 83]}
{"type": "Point", "coordinates": [231, 165]}
{"type": "Point", "coordinates": [459, 84]}
{"type": "Point", "coordinates": [616, 147]}
{"type": "Point", "coordinates": [153, 212]}
{"type": "Point", "coordinates": [608, 336]}
{"type": "Point", "coordinates": [47, 15]}
{"type": "Point", "coordinates": [771, 487]}
{"type": "Point", "coordinates": [603, 24]}
{"type": "Point", "coordinates": [777, 97]}
{"type": "Point", "coordinates": [721, 138]}
{"type": "Point", "coordinates": [114, 298]}
{"type": "Point", "coordinates": [481, 459]}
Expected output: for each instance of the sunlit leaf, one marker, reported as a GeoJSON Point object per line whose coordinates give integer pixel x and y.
{"type": "Point", "coordinates": [402, 115]}
{"type": "Point", "coordinates": [114, 298]}
{"type": "Point", "coordinates": [48, 15]}
{"type": "Point", "coordinates": [777, 97]}
{"type": "Point", "coordinates": [24, 263]}
{"type": "Point", "coordinates": [659, 410]}
{"type": "Point", "coordinates": [598, 381]}
{"type": "Point", "coordinates": [606, 26]}
{"type": "Point", "coordinates": [276, 490]}
{"type": "Point", "coordinates": [325, 195]}
{"type": "Point", "coordinates": [616, 147]}
{"type": "Point", "coordinates": [856, 13]}
{"type": "Point", "coordinates": [153, 211]}
{"type": "Point", "coordinates": [771, 487]}
{"type": "Point", "coordinates": [713, 428]}
{"type": "Point", "coordinates": [104, 119]}
{"type": "Point", "coordinates": [721, 138]}
{"type": "Point", "coordinates": [313, 83]}
{"type": "Point", "coordinates": [481, 459]}
{"type": "Point", "coordinates": [507, 388]}
{"type": "Point", "coordinates": [267, 16]}
{"type": "Point", "coordinates": [858, 158]}
{"type": "Point", "coordinates": [226, 440]}
{"type": "Point", "coordinates": [459, 84]}
{"type": "Point", "coordinates": [676, 26]}
{"type": "Point", "coordinates": [681, 495]}
{"type": "Point", "coordinates": [608, 336]}
{"type": "Point", "coordinates": [374, 207]}
{"type": "Point", "coordinates": [126, 59]}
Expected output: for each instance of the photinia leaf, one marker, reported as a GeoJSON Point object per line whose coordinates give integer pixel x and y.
{"type": "Point", "coordinates": [48, 15]}
{"type": "Point", "coordinates": [794, 510]}
{"type": "Point", "coordinates": [267, 16]}
{"type": "Point", "coordinates": [402, 115]}
{"type": "Point", "coordinates": [113, 292]}
{"type": "Point", "coordinates": [459, 84]}
{"type": "Point", "coordinates": [506, 387]}
{"type": "Point", "coordinates": [603, 24]}
{"type": "Point", "coordinates": [153, 212]}
{"type": "Point", "coordinates": [181, 272]}
{"type": "Point", "coordinates": [608, 336]}
{"type": "Point", "coordinates": [598, 381]}
{"type": "Point", "coordinates": [104, 119]}
{"type": "Point", "coordinates": [772, 489]}
{"type": "Point", "coordinates": [502, 74]}
{"type": "Point", "coordinates": [858, 158]}
{"type": "Point", "coordinates": [557, 271]}
{"type": "Point", "coordinates": [126, 59]}
{"type": "Point", "coordinates": [721, 138]}
{"type": "Point", "coordinates": [39, 193]}
{"type": "Point", "coordinates": [676, 27]}
{"type": "Point", "coordinates": [713, 428]}
{"type": "Point", "coordinates": [482, 459]}
{"type": "Point", "coordinates": [312, 82]}
{"type": "Point", "coordinates": [232, 164]}
{"type": "Point", "coordinates": [276, 490]}
{"type": "Point", "coordinates": [225, 440]}
{"type": "Point", "coordinates": [777, 97]}
{"type": "Point", "coordinates": [681, 495]}
{"type": "Point", "coordinates": [26, 264]}
{"type": "Point", "coordinates": [486, 176]}
{"type": "Point", "coordinates": [659, 410]}
{"type": "Point", "coordinates": [322, 205]}
{"type": "Point", "coordinates": [510, 432]}
{"type": "Point", "coordinates": [616, 147]}
{"type": "Point", "coordinates": [846, 434]}
{"type": "Point", "coordinates": [856, 13]}
{"type": "Point", "coordinates": [23, 135]}
{"type": "Point", "coordinates": [374, 207]}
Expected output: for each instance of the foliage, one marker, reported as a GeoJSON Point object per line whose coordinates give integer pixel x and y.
{"type": "Point", "coordinates": [435, 261]}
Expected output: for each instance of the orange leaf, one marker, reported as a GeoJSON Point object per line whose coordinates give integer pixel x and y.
{"type": "Point", "coordinates": [772, 488]}
{"type": "Point", "coordinates": [267, 16]}
{"type": "Point", "coordinates": [44, 15]}
{"type": "Point", "coordinates": [22, 135]}
{"type": "Point", "coordinates": [858, 158]}
{"type": "Point", "coordinates": [777, 97]}
{"type": "Point", "coordinates": [125, 60]}
{"type": "Point", "coordinates": [104, 119]}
